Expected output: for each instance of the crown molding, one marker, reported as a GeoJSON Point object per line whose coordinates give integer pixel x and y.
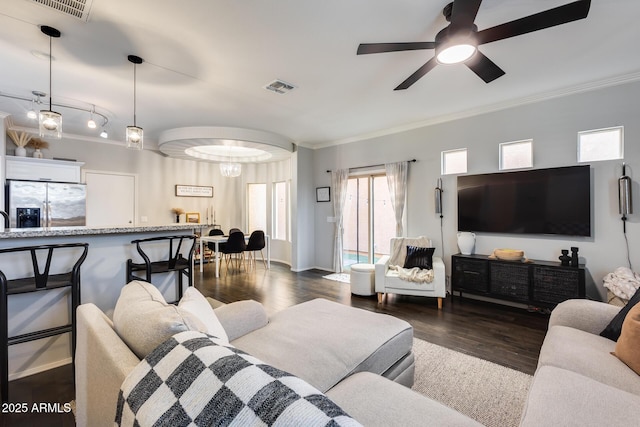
{"type": "Point", "coordinates": [585, 87]}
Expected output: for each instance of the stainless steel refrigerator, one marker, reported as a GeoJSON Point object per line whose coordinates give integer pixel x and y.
{"type": "Point", "coordinates": [46, 204]}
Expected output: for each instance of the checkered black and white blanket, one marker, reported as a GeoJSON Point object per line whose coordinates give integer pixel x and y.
{"type": "Point", "coordinates": [193, 379]}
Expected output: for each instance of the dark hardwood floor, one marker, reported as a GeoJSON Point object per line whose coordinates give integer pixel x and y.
{"type": "Point", "coordinates": [508, 336]}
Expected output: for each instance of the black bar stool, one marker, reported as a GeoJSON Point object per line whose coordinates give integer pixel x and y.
{"type": "Point", "coordinates": [41, 281]}
{"type": "Point", "coordinates": [175, 261]}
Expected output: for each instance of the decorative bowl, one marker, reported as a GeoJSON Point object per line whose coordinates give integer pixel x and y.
{"type": "Point", "coordinates": [509, 254]}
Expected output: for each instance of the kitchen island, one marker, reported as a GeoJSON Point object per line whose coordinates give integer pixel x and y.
{"type": "Point", "coordinates": [103, 274]}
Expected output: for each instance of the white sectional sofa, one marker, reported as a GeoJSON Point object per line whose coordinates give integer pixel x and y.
{"type": "Point", "coordinates": [578, 381]}
{"type": "Point", "coordinates": [359, 359]}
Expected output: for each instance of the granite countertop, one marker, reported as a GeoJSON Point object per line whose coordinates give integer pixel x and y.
{"type": "Point", "coordinates": [14, 233]}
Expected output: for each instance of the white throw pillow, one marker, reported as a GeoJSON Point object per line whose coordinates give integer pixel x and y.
{"type": "Point", "coordinates": [144, 320]}
{"type": "Point", "coordinates": [195, 303]}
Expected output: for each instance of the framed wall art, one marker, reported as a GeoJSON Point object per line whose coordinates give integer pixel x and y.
{"type": "Point", "coordinates": [323, 194]}
{"type": "Point", "coordinates": [194, 191]}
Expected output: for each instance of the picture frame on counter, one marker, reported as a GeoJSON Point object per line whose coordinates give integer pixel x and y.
{"type": "Point", "coordinates": [323, 194]}
{"type": "Point", "coordinates": [193, 191]}
{"type": "Point", "coordinates": [192, 217]}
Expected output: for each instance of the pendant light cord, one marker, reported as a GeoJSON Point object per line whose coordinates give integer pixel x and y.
{"type": "Point", "coordinates": [50, 61]}
{"type": "Point", "coordinates": [134, 94]}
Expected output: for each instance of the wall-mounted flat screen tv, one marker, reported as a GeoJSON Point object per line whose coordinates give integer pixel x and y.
{"type": "Point", "coordinates": [538, 201]}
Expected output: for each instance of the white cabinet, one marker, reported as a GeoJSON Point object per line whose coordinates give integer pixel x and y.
{"type": "Point", "coordinates": [33, 169]}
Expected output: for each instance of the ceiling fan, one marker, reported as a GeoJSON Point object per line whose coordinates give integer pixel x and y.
{"type": "Point", "coordinates": [459, 41]}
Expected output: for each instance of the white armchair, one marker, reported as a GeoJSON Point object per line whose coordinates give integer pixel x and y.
{"type": "Point", "coordinates": [388, 281]}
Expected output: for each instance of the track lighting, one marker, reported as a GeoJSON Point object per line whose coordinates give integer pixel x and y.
{"type": "Point", "coordinates": [91, 124]}
{"type": "Point", "coordinates": [50, 122]}
{"type": "Point", "coordinates": [104, 133]}
{"type": "Point", "coordinates": [134, 134]}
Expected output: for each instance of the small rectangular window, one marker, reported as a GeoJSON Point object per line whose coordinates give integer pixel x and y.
{"type": "Point", "coordinates": [516, 154]}
{"type": "Point", "coordinates": [454, 161]}
{"type": "Point", "coordinates": [601, 144]}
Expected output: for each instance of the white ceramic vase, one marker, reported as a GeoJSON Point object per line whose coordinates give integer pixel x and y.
{"type": "Point", "coordinates": [37, 153]}
{"type": "Point", "coordinates": [21, 152]}
{"type": "Point", "coordinates": [466, 242]}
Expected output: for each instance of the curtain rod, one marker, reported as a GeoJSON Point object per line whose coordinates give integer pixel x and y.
{"type": "Point", "coordinates": [373, 166]}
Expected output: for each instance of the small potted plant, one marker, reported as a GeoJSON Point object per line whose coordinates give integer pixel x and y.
{"type": "Point", "coordinates": [177, 212]}
{"type": "Point", "coordinates": [37, 144]}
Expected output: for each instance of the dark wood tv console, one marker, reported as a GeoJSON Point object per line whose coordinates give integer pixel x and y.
{"type": "Point", "coordinates": [536, 283]}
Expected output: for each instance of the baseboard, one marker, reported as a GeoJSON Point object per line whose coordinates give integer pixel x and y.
{"type": "Point", "coordinates": [298, 270]}
{"type": "Point", "coordinates": [38, 369]}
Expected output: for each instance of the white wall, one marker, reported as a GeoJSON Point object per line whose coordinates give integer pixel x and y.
{"type": "Point", "coordinates": [553, 125]}
{"type": "Point", "coordinates": [303, 211]}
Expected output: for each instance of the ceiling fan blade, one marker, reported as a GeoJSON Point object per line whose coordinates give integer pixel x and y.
{"type": "Point", "coordinates": [549, 18]}
{"type": "Point", "coordinates": [485, 68]}
{"type": "Point", "coordinates": [418, 74]}
{"type": "Point", "coordinates": [366, 48]}
{"type": "Point", "coordinates": [464, 12]}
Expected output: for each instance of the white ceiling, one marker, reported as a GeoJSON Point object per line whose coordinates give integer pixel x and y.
{"type": "Point", "coordinates": [207, 62]}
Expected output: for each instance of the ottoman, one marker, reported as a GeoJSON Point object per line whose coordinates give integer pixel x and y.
{"type": "Point", "coordinates": [324, 342]}
{"type": "Point", "coordinates": [363, 279]}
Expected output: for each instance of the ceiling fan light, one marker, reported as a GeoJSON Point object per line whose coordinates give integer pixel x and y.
{"type": "Point", "coordinates": [50, 124]}
{"type": "Point", "coordinates": [230, 170]}
{"type": "Point", "coordinates": [456, 54]}
{"type": "Point", "coordinates": [134, 137]}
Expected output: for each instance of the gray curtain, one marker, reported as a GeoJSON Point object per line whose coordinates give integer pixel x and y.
{"type": "Point", "coordinates": [397, 181]}
{"type": "Point", "coordinates": [339, 180]}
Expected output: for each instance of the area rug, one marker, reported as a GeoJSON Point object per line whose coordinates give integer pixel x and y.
{"type": "Point", "coordinates": [489, 393]}
{"type": "Point", "coordinates": [338, 277]}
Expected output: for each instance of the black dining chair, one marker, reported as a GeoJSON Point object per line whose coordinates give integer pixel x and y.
{"type": "Point", "coordinates": [256, 243]}
{"type": "Point", "coordinates": [235, 246]}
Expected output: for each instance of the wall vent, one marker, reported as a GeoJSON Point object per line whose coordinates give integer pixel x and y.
{"type": "Point", "coordinates": [278, 86]}
{"type": "Point", "coordinates": [77, 8]}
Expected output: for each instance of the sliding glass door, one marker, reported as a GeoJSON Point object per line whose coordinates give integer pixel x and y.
{"type": "Point", "coordinates": [368, 226]}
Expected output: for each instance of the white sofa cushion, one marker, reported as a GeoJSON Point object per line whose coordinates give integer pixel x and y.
{"type": "Point", "coordinates": [144, 320]}
{"type": "Point", "coordinates": [195, 303]}
{"type": "Point", "coordinates": [589, 355]}
{"type": "Point", "coordinates": [559, 397]}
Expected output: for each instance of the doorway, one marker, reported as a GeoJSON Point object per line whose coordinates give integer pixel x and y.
{"type": "Point", "coordinates": [368, 226]}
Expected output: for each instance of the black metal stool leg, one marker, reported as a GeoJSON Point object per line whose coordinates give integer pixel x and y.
{"type": "Point", "coordinates": [4, 338]}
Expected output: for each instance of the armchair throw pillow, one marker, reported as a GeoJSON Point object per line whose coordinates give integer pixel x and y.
{"type": "Point", "coordinates": [419, 257]}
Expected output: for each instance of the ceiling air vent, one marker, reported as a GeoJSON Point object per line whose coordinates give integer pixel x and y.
{"type": "Point", "coordinates": [278, 86]}
{"type": "Point", "coordinates": [77, 8]}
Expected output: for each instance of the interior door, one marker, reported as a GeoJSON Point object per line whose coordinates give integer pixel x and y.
{"type": "Point", "coordinates": [110, 199]}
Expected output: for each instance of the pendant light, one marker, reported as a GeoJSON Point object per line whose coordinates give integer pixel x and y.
{"type": "Point", "coordinates": [49, 121]}
{"type": "Point", "coordinates": [230, 169]}
{"type": "Point", "coordinates": [134, 135]}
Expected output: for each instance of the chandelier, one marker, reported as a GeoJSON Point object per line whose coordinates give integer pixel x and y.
{"type": "Point", "coordinates": [230, 169]}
